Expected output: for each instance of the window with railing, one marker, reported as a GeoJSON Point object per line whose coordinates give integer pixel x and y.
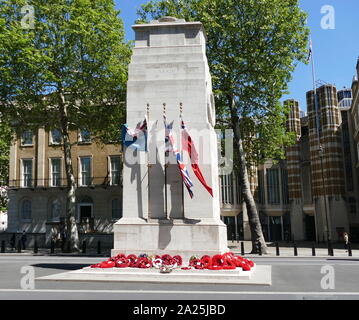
{"type": "Point", "coordinates": [55, 172]}
{"type": "Point", "coordinates": [55, 137]}
{"type": "Point", "coordinates": [273, 190]}
{"type": "Point", "coordinates": [27, 138]}
{"type": "Point", "coordinates": [86, 175]}
{"type": "Point", "coordinates": [116, 209]}
{"type": "Point", "coordinates": [26, 210]}
{"type": "Point", "coordinates": [27, 173]}
{"type": "Point", "coordinates": [115, 170]}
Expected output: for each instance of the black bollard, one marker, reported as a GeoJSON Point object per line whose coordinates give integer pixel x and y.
{"type": "Point", "coordinates": [84, 246]}
{"type": "Point", "coordinates": [313, 249]}
{"type": "Point", "coordinates": [330, 249]}
{"type": "Point", "coordinates": [52, 246]}
{"type": "Point", "coordinates": [232, 237]}
{"type": "Point", "coordinates": [259, 249]}
{"type": "Point", "coordinates": [19, 246]}
{"type": "Point", "coordinates": [36, 249]}
{"type": "Point", "coordinates": [295, 250]}
{"type": "Point", "coordinates": [242, 249]}
{"type": "Point", "coordinates": [98, 247]}
{"type": "Point", "coordinates": [3, 246]}
{"type": "Point", "coordinates": [350, 254]}
{"type": "Point", "coordinates": [277, 253]}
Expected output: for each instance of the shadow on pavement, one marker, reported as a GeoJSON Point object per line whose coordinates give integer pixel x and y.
{"type": "Point", "coordinates": [63, 266]}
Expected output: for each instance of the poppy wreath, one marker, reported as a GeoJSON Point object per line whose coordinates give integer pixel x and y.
{"type": "Point", "coordinates": [228, 261]}
{"type": "Point", "coordinates": [206, 261]}
{"type": "Point", "coordinates": [196, 263]}
{"type": "Point", "coordinates": [217, 262]}
{"type": "Point", "coordinates": [104, 264]}
{"type": "Point", "coordinates": [122, 262]}
{"type": "Point", "coordinates": [144, 263]}
{"type": "Point", "coordinates": [177, 261]}
{"type": "Point", "coordinates": [167, 260]}
{"type": "Point", "coordinates": [133, 260]}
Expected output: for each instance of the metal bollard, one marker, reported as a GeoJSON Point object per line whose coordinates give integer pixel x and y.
{"type": "Point", "coordinates": [3, 246]}
{"type": "Point", "coordinates": [36, 248]}
{"type": "Point", "coordinates": [313, 249]}
{"type": "Point", "coordinates": [19, 246]}
{"type": "Point", "coordinates": [52, 247]}
{"type": "Point", "coordinates": [98, 247]}
{"type": "Point", "coordinates": [242, 248]}
{"type": "Point", "coordinates": [259, 249]}
{"type": "Point", "coordinates": [84, 246]}
{"type": "Point", "coordinates": [295, 250]}
{"type": "Point", "coordinates": [330, 249]}
{"type": "Point", "coordinates": [277, 253]}
{"type": "Point", "coordinates": [350, 254]}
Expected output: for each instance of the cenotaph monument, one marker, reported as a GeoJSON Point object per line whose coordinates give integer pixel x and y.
{"type": "Point", "coordinates": [169, 76]}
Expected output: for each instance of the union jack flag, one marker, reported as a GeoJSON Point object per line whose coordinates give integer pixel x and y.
{"type": "Point", "coordinates": [135, 138]}
{"type": "Point", "coordinates": [170, 142]}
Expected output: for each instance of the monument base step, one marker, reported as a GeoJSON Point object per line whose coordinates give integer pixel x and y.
{"type": "Point", "coordinates": [259, 275]}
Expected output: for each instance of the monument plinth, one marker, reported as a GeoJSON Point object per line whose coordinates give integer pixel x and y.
{"type": "Point", "coordinates": [169, 65]}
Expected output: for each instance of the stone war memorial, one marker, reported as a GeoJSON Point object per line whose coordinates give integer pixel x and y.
{"type": "Point", "coordinates": [171, 208]}
{"type": "Point", "coordinates": [169, 68]}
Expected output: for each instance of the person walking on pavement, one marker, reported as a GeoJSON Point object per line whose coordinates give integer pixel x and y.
{"type": "Point", "coordinates": [23, 239]}
{"type": "Point", "coordinates": [346, 240]}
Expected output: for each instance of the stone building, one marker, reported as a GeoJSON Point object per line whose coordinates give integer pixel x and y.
{"type": "Point", "coordinates": [314, 187]}
{"type": "Point", "coordinates": [37, 186]}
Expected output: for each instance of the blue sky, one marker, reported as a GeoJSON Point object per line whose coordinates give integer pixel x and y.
{"type": "Point", "coordinates": [335, 50]}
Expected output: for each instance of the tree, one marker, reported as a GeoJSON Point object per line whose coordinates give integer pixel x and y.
{"type": "Point", "coordinates": [63, 65]}
{"type": "Point", "coordinates": [253, 47]}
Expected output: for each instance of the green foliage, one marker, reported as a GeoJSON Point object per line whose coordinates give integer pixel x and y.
{"type": "Point", "coordinates": [5, 141]}
{"type": "Point", "coordinates": [77, 47]}
{"type": "Point", "coordinates": [253, 47]}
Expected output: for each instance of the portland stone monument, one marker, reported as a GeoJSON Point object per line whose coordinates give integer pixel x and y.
{"type": "Point", "coordinates": [169, 68]}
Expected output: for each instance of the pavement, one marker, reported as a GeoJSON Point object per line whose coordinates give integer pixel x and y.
{"type": "Point", "coordinates": [301, 277]}
{"type": "Point", "coordinates": [286, 249]}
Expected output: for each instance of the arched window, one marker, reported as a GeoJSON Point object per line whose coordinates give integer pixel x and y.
{"type": "Point", "coordinates": [56, 209]}
{"type": "Point", "coordinates": [116, 209]}
{"type": "Point", "coordinates": [26, 210]}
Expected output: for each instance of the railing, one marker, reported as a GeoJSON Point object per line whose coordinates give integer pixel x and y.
{"type": "Point", "coordinates": [62, 183]}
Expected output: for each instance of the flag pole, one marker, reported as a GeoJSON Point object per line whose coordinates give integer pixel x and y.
{"type": "Point", "coordinates": [181, 119]}
{"type": "Point", "coordinates": [165, 121]}
{"type": "Point", "coordinates": [149, 214]}
{"type": "Point", "coordinates": [320, 148]}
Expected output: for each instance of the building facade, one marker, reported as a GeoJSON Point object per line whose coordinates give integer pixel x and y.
{"type": "Point", "coordinates": [37, 187]}
{"type": "Point", "coordinates": [313, 194]}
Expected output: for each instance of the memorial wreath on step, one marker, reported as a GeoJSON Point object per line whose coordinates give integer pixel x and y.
{"type": "Point", "coordinates": [167, 263]}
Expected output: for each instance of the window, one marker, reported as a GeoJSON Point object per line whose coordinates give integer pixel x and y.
{"type": "Point", "coordinates": [115, 170]}
{"type": "Point", "coordinates": [27, 173]}
{"type": "Point", "coordinates": [55, 172]}
{"type": "Point", "coordinates": [273, 186]}
{"type": "Point", "coordinates": [85, 136]}
{"type": "Point", "coordinates": [26, 138]}
{"type": "Point", "coordinates": [26, 210]}
{"type": "Point", "coordinates": [116, 209]}
{"type": "Point", "coordinates": [55, 136]}
{"type": "Point", "coordinates": [56, 210]}
{"type": "Point", "coordinates": [85, 171]}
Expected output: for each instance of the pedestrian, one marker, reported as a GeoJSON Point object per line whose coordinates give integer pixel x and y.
{"type": "Point", "coordinates": [13, 241]}
{"type": "Point", "coordinates": [23, 239]}
{"type": "Point", "coordinates": [346, 240]}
